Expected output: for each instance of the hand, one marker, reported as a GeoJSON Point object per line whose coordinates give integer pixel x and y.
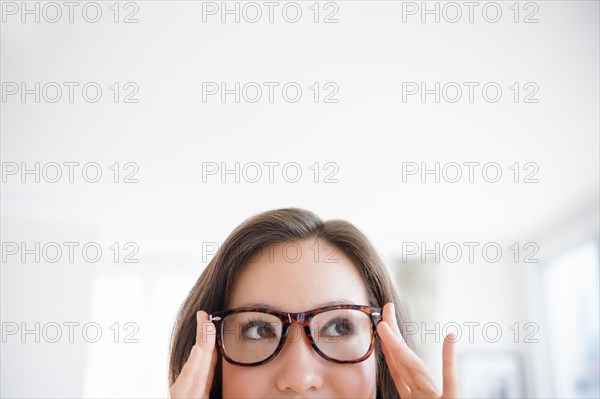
{"type": "Point", "coordinates": [409, 372]}
{"type": "Point", "coordinates": [196, 376]}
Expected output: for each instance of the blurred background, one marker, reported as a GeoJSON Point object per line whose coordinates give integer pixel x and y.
{"type": "Point", "coordinates": [463, 140]}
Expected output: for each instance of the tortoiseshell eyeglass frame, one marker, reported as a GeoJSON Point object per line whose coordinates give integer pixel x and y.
{"type": "Point", "coordinates": [304, 319]}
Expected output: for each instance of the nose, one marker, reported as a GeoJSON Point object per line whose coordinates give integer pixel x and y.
{"type": "Point", "coordinates": [299, 365]}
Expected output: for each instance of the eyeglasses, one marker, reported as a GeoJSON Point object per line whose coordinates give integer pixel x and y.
{"type": "Point", "coordinates": [251, 336]}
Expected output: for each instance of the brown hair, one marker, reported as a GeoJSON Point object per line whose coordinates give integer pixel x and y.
{"type": "Point", "coordinates": [213, 287]}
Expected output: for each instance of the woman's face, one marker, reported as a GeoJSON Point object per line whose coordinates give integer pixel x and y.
{"type": "Point", "coordinates": [288, 282]}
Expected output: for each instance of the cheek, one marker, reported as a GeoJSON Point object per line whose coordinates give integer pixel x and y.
{"type": "Point", "coordinates": [241, 382]}
{"type": "Point", "coordinates": [355, 381]}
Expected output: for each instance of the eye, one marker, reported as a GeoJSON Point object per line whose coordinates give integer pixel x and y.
{"type": "Point", "coordinates": [255, 330]}
{"type": "Point", "coordinates": [337, 327]}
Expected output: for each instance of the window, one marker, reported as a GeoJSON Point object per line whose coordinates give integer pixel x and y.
{"type": "Point", "coordinates": [572, 298]}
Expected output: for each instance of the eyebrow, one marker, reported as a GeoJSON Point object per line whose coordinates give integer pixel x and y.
{"type": "Point", "coordinates": [339, 301]}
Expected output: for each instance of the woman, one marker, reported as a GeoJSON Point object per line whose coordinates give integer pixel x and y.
{"type": "Point", "coordinates": [290, 307]}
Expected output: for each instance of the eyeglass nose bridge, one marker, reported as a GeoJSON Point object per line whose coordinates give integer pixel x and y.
{"type": "Point", "coordinates": [300, 318]}
{"type": "Point", "coordinates": [304, 322]}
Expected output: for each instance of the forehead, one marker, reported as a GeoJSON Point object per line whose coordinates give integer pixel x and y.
{"type": "Point", "coordinates": [299, 276]}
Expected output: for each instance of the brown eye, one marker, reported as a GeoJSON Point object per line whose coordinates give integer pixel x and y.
{"type": "Point", "coordinates": [257, 330]}
{"type": "Point", "coordinates": [337, 327]}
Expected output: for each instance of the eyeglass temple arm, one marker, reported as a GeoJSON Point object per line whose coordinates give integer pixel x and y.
{"type": "Point", "coordinates": [377, 316]}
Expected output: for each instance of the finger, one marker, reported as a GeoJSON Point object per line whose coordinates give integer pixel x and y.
{"type": "Point", "coordinates": [192, 364]}
{"type": "Point", "coordinates": [450, 386]}
{"type": "Point", "coordinates": [402, 388]}
{"type": "Point", "coordinates": [201, 317]}
{"type": "Point", "coordinates": [396, 373]}
{"type": "Point", "coordinates": [211, 372]}
{"type": "Point", "coordinates": [404, 363]}
{"type": "Point", "coordinates": [388, 314]}
{"type": "Point", "coordinates": [205, 342]}
{"type": "Point", "coordinates": [195, 381]}
{"type": "Point", "coordinates": [195, 378]}
{"type": "Point", "coordinates": [186, 376]}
